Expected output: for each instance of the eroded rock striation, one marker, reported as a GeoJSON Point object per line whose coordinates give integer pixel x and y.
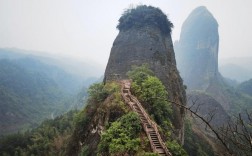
{"type": "Point", "coordinates": [148, 42]}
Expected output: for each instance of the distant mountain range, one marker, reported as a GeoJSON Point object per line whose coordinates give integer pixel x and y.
{"type": "Point", "coordinates": [33, 88]}
{"type": "Point", "coordinates": [238, 69]}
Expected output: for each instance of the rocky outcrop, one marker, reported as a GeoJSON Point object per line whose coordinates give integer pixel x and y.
{"type": "Point", "coordinates": [197, 55]}
{"type": "Point", "coordinates": [148, 44]}
{"type": "Point", "coordinates": [197, 49]}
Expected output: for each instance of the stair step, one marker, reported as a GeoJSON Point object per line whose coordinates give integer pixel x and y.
{"type": "Point", "coordinates": [156, 139]}
{"type": "Point", "coordinates": [157, 144]}
{"type": "Point", "coordinates": [145, 121]}
{"type": "Point", "coordinates": [153, 137]}
{"type": "Point", "coordinates": [159, 147]}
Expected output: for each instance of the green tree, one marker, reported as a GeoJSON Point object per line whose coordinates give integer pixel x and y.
{"type": "Point", "coordinates": [150, 91]}
{"type": "Point", "coordinates": [122, 136]}
{"type": "Point", "coordinates": [143, 15]}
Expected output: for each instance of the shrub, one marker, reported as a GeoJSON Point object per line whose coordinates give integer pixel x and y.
{"type": "Point", "coordinates": [122, 136]}
{"type": "Point", "coordinates": [142, 16]}
{"type": "Point", "coordinates": [150, 90]}
{"type": "Point", "coordinates": [176, 149]}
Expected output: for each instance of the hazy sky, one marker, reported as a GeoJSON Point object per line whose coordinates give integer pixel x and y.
{"type": "Point", "coordinates": [87, 28]}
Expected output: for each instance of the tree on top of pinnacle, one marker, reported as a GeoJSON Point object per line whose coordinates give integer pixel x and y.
{"type": "Point", "coordinates": [142, 16]}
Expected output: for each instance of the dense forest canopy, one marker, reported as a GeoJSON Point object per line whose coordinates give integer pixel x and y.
{"type": "Point", "coordinates": [144, 15]}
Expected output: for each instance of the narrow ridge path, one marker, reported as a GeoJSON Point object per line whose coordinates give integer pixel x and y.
{"type": "Point", "coordinates": [150, 127]}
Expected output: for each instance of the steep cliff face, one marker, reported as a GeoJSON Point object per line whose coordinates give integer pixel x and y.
{"type": "Point", "coordinates": [197, 49]}
{"type": "Point", "coordinates": [197, 55]}
{"type": "Point", "coordinates": [149, 44]}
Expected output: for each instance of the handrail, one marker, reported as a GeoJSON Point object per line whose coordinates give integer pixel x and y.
{"type": "Point", "coordinates": [146, 116]}
{"type": "Point", "coordinates": [154, 125]}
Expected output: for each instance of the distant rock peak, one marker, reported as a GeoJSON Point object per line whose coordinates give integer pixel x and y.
{"type": "Point", "coordinates": [197, 49]}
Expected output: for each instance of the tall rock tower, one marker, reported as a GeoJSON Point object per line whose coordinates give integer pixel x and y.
{"type": "Point", "coordinates": [197, 49]}
{"type": "Point", "coordinates": [145, 37]}
{"type": "Point", "coordinates": [197, 55]}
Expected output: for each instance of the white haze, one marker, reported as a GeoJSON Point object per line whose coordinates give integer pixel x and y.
{"type": "Point", "coordinates": [86, 29]}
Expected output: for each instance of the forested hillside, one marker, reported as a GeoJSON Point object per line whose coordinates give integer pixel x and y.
{"type": "Point", "coordinates": [31, 91]}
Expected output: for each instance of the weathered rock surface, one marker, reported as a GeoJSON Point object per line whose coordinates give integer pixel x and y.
{"type": "Point", "coordinates": [197, 55]}
{"type": "Point", "coordinates": [197, 49]}
{"type": "Point", "coordinates": [147, 44]}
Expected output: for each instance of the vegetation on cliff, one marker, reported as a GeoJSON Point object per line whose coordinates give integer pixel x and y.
{"type": "Point", "coordinates": [122, 136]}
{"type": "Point", "coordinates": [150, 90]}
{"type": "Point", "coordinates": [154, 97]}
{"type": "Point", "coordinates": [29, 93]}
{"type": "Point", "coordinates": [49, 138]}
{"type": "Point", "coordinates": [120, 129]}
{"type": "Point", "coordinates": [195, 143]}
{"type": "Point", "coordinates": [142, 16]}
{"type": "Point", "coordinates": [106, 126]}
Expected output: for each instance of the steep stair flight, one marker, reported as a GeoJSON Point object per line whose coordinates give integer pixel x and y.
{"type": "Point", "coordinates": [149, 126]}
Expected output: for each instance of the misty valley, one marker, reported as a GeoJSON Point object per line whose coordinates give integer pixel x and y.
{"type": "Point", "coordinates": [156, 96]}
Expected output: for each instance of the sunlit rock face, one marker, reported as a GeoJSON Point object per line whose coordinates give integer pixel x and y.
{"type": "Point", "coordinates": [148, 44]}
{"type": "Point", "coordinates": [197, 49]}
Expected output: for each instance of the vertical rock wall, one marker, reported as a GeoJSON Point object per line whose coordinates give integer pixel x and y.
{"type": "Point", "coordinates": [197, 49]}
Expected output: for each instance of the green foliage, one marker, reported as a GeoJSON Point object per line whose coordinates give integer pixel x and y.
{"type": "Point", "coordinates": [142, 16]}
{"type": "Point", "coordinates": [84, 151]}
{"type": "Point", "coordinates": [48, 139]}
{"type": "Point", "coordinates": [150, 90]}
{"type": "Point", "coordinates": [195, 145]}
{"type": "Point", "coordinates": [176, 148]}
{"type": "Point", "coordinates": [95, 107]}
{"type": "Point", "coordinates": [154, 92]}
{"type": "Point", "coordinates": [150, 154]}
{"type": "Point", "coordinates": [28, 96]}
{"type": "Point", "coordinates": [139, 73]}
{"type": "Point", "coordinates": [122, 136]}
{"type": "Point", "coordinates": [99, 91]}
